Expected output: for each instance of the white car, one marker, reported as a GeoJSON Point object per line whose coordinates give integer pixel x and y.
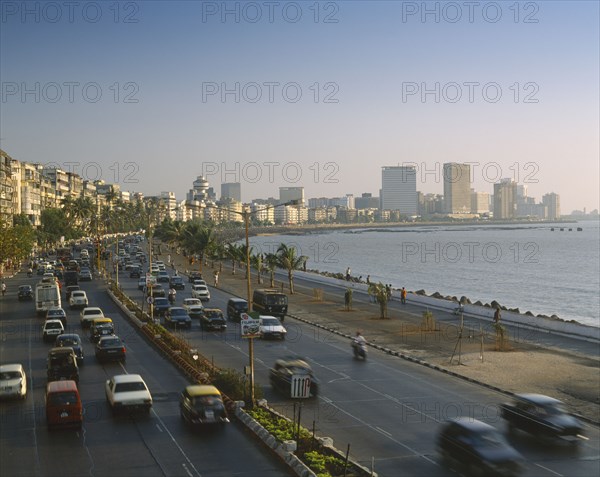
{"type": "Point", "coordinates": [270, 327]}
{"type": "Point", "coordinates": [89, 314]}
{"type": "Point", "coordinates": [128, 392]}
{"type": "Point", "coordinates": [78, 299]}
{"type": "Point", "coordinates": [51, 329]}
{"type": "Point", "coordinates": [194, 307]}
{"type": "Point", "coordinates": [198, 281]}
{"type": "Point", "coordinates": [201, 292]}
{"type": "Point", "coordinates": [13, 381]}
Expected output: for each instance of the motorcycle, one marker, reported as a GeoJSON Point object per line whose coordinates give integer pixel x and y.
{"type": "Point", "coordinates": [172, 298]}
{"type": "Point", "coordinates": [359, 349]}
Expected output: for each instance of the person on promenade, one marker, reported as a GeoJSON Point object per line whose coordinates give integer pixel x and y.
{"type": "Point", "coordinates": [497, 315]}
{"type": "Point", "coordinates": [216, 275]}
{"type": "Point", "coordinates": [403, 296]}
{"type": "Point", "coordinates": [3, 288]}
{"type": "Point", "coordinates": [348, 274]}
{"type": "Point", "coordinates": [368, 279]}
{"type": "Point", "coordinates": [388, 292]}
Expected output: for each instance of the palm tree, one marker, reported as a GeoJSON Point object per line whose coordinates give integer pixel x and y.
{"type": "Point", "coordinates": [233, 251]}
{"type": "Point", "coordinates": [288, 260]}
{"type": "Point", "coordinates": [197, 238]}
{"type": "Point", "coordinates": [256, 261]}
{"type": "Point", "coordinates": [271, 262]}
{"type": "Point", "coordinates": [381, 294]}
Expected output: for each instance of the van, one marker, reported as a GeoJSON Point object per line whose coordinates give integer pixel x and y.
{"type": "Point", "coordinates": [270, 302]}
{"type": "Point", "coordinates": [63, 404]}
{"type": "Point", "coordinates": [235, 307]}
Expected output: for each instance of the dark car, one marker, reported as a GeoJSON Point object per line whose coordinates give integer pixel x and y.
{"type": "Point", "coordinates": [110, 348]}
{"type": "Point", "coordinates": [294, 378]}
{"type": "Point", "coordinates": [163, 276]}
{"type": "Point", "coordinates": [70, 289]}
{"type": "Point", "coordinates": [71, 341]}
{"type": "Point", "coordinates": [177, 283]}
{"type": "Point", "coordinates": [135, 272]}
{"type": "Point", "coordinates": [97, 331]}
{"type": "Point", "coordinates": [25, 293]}
{"type": "Point", "coordinates": [542, 417]}
{"type": "Point", "coordinates": [71, 277]}
{"type": "Point", "coordinates": [235, 307]}
{"type": "Point", "coordinates": [213, 319]}
{"type": "Point", "coordinates": [161, 305]}
{"type": "Point", "coordinates": [57, 314]}
{"type": "Point", "coordinates": [62, 364]}
{"type": "Point", "coordinates": [202, 404]}
{"type": "Point", "coordinates": [178, 317]}
{"type": "Point", "coordinates": [478, 448]}
{"type": "Point", "coordinates": [157, 291]}
{"type": "Point", "coordinates": [194, 276]}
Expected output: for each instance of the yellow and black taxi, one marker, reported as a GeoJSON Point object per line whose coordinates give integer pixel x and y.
{"type": "Point", "coordinates": [202, 404]}
{"type": "Point", "coordinates": [101, 327]}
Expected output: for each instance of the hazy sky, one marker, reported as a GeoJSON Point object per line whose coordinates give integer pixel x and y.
{"type": "Point", "coordinates": [151, 94]}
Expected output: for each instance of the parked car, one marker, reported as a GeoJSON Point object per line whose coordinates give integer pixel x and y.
{"type": "Point", "coordinates": [478, 448]}
{"type": "Point", "coordinates": [25, 292]}
{"type": "Point", "coordinates": [161, 305]}
{"type": "Point", "coordinates": [213, 319]}
{"type": "Point", "coordinates": [294, 378]}
{"type": "Point", "coordinates": [100, 327]}
{"type": "Point", "coordinates": [177, 317]}
{"type": "Point", "coordinates": [71, 340]}
{"type": "Point", "coordinates": [57, 314]}
{"type": "Point", "coordinates": [271, 327]}
{"type": "Point", "coordinates": [62, 364]}
{"type": "Point", "coordinates": [51, 329]}
{"type": "Point", "coordinates": [194, 276]}
{"type": "Point", "coordinates": [89, 314]}
{"type": "Point", "coordinates": [201, 292]}
{"type": "Point", "coordinates": [63, 404]}
{"type": "Point", "coordinates": [70, 289]}
{"type": "Point", "coordinates": [110, 348]}
{"type": "Point", "coordinates": [128, 392]}
{"type": "Point", "coordinates": [202, 404]}
{"type": "Point", "coordinates": [78, 299]}
{"type": "Point", "coordinates": [177, 283]}
{"type": "Point", "coordinates": [542, 417]}
{"type": "Point", "coordinates": [194, 307]}
{"type": "Point", "coordinates": [13, 381]}
{"type": "Point", "coordinates": [235, 307]}
{"type": "Point", "coordinates": [85, 275]}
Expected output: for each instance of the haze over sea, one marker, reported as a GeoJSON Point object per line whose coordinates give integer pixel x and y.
{"type": "Point", "coordinates": [524, 266]}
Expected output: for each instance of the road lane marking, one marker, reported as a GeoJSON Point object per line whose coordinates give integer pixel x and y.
{"type": "Point", "coordinates": [159, 428]}
{"type": "Point", "coordinates": [549, 470]}
{"type": "Point", "coordinates": [383, 431]}
{"type": "Point", "coordinates": [187, 470]}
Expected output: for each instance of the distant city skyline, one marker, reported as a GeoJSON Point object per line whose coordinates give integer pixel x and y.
{"type": "Point", "coordinates": [285, 102]}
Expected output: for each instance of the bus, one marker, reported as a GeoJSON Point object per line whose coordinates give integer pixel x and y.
{"type": "Point", "coordinates": [47, 295]}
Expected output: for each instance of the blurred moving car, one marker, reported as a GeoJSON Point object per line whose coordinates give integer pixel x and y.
{"type": "Point", "coordinates": [294, 377]}
{"type": "Point", "coordinates": [194, 276]}
{"type": "Point", "coordinates": [13, 381]}
{"type": "Point", "coordinates": [542, 417]}
{"type": "Point", "coordinates": [89, 314]}
{"type": "Point", "coordinates": [110, 348]}
{"type": "Point", "coordinates": [25, 292]}
{"type": "Point", "coordinates": [51, 329]}
{"type": "Point", "coordinates": [62, 364]}
{"type": "Point", "coordinates": [135, 272]}
{"type": "Point", "coordinates": [78, 299]}
{"type": "Point", "coordinates": [70, 289]}
{"type": "Point", "coordinates": [163, 276]}
{"type": "Point", "coordinates": [176, 316]}
{"type": "Point", "coordinates": [213, 319]}
{"type": "Point", "coordinates": [177, 283]}
{"type": "Point", "coordinates": [71, 340]}
{"type": "Point", "coordinates": [271, 327]}
{"type": "Point", "coordinates": [235, 307]}
{"type": "Point", "coordinates": [478, 448]}
{"type": "Point", "coordinates": [85, 275]}
{"type": "Point", "coordinates": [194, 307]}
{"type": "Point", "coordinates": [57, 314]}
{"type": "Point", "coordinates": [100, 327]}
{"type": "Point", "coordinates": [202, 404]}
{"type": "Point", "coordinates": [128, 392]}
{"type": "Point", "coordinates": [201, 292]}
{"type": "Point", "coordinates": [161, 305]}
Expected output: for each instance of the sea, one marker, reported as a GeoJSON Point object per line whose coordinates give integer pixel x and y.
{"type": "Point", "coordinates": [545, 268]}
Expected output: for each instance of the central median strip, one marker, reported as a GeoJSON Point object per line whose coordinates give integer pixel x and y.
{"type": "Point", "coordinates": [307, 456]}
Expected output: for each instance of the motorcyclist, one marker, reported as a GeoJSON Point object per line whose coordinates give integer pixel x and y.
{"type": "Point", "coordinates": [3, 288]}
{"type": "Point", "coordinates": [29, 272]}
{"type": "Point", "coordinates": [172, 293]}
{"type": "Point", "coordinates": [359, 344]}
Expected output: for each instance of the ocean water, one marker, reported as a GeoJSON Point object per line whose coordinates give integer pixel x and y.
{"type": "Point", "coordinates": [526, 266]}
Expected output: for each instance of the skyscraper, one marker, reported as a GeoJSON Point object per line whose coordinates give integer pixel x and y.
{"type": "Point", "coordinates": [552, 202]}
{"type": "Point", "coordinates": [399, 189]}
{"type": "Point", "coordinates": [231, 190]}
{"type": "Point", "coordinates": [287, 194]}
{"type": "Point", "coordinates": [457, 188]}
{"type": "Point", "coordinates": [505, 199]}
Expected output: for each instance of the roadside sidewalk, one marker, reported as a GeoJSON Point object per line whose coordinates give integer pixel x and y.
{"type": "Point", "coordinates": [570, 377]}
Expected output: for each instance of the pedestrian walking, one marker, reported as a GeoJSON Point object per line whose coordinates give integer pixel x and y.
{"type": "Point", "coordinates": [348, 271]}
{"type": "Point", "coordinates": [3, 288]}
{"type": "Point", "coordinates": [497, 315]}
{"type": "Point", "coordinates": [388, 292]}
{"type": "Point", "coordinates": [403, 296]}
{"type": "Point", "coordinates": [368, 279]}
{"type": "Point", "coordinates": [216, 275]}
